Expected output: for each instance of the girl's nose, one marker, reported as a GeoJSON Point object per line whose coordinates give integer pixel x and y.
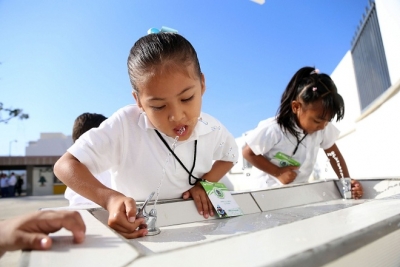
{"type": "Point", "coordinates": [176, 114]}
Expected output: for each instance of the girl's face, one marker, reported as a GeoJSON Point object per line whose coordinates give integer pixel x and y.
{"type": "Point", "coordinates": [309, 117]}
{"type": "Point", "coordinates": [172, 100]}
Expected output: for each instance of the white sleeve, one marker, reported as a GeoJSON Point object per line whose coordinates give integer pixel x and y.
{"type": "Point", "coordinates": [226, 148]}
{"type": "Point", "coordinates": [100, 148]}
{"type": "Point", "coordinates": [330, 135]}
{"type": "Point", "coordinates": [263, 138]}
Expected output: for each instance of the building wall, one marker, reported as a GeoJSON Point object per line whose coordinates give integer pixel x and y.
{"type": "Point", "coordinates": [49, 144]}
{"type": "Point", "coordinates": [388, 12]}
{"type": "Point", "coordinates": [370, 151]}
{"type": "Point", "coordinates": [41, 179]}
{"type": "Point", "coordinates": [369, 139]}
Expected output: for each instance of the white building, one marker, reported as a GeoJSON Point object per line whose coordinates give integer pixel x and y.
{"type": "Point", "coordinates": [42, 180]}
{"type": "Point", "coordinates": [49, 144]}
{"type": "Point", "coordinates": [368, 78]}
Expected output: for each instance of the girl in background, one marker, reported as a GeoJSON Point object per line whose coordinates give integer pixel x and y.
{"type": "Point", "coordinates": [284, 148]}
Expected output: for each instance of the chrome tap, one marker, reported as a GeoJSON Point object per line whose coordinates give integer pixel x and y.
{"type": "Point", "coordinates": [151, 223]}
{"type": "Point", "coordinates": [346, 183]}
{"type": "Point", "coordinates": [151, 218]}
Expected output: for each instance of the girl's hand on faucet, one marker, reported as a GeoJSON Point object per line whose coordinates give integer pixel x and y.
{"type": "Point", "coordinates": [121, 218]}
{"type": "Point", "coordinates": [356, 189]}
{"type": "Point", "coordinates": [203, 203]}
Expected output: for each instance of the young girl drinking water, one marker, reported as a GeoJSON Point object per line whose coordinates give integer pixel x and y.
{"type": "Point", "coordinates": [285, 148]}
{"type": "Point", "coordinates": [165, 140]}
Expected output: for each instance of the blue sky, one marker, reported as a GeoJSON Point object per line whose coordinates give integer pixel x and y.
{"type": "Point", "coordinates": [62, 58]}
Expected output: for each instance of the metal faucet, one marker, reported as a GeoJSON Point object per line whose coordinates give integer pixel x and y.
{"type": "Point", "coordinates": [151, 218]}
{"type": "Point", "coordinates": [346, 183]}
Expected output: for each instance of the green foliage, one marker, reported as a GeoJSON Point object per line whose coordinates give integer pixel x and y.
{"type": "Point", "coordinates": [11, 113]}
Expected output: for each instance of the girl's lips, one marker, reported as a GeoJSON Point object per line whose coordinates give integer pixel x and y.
{"type": "Point", "coordinates": [181, 130]}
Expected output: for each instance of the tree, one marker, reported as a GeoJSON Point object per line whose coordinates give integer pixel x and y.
{"type": "Point", "coordinates": [12, 113]}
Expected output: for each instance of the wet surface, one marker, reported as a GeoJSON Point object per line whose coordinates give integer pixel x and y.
{"type": "Point", "coordinates": [172, 237]}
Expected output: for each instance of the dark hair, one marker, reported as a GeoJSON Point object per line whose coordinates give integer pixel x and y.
{"type": "Point", "coordinates": [85, 122]}
{"type": "Point", "coordinates": [309, 86]}
{"type": "Point", "coordinates": [154, 50]}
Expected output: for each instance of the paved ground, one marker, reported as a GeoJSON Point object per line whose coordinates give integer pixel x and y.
{"type": "Point", "coordinates": [11, 207]}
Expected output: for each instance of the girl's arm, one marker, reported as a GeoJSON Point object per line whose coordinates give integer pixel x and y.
{"type": "Point", "coordinates": [356, 188]}
{"type": "Point", "coordinates": [218, 170]}
{"type": "Point", "coordinates": [285, 175]}
{"type": "Point", "coordinates": [76, 175]}
{"type": "Point", "coordinates": [334, 163]}
{"type": "Point", "coordinates": [122, 209]}
{"type": "Point", "coordinates": [260, 162]}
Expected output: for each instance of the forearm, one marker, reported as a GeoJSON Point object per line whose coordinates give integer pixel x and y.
{"type": "Point", "coordinates": [337, 162]}
{"type": "Point", "coordinates": [76, 175]}
{"type": "Point", "coordinates": [260, 162]}
{"type": "Point", "coordinates": [218, 170]}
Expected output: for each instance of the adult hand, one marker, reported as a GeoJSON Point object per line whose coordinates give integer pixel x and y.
{"type": "Point", "coordinates": [122, 213]}
{"type": "Point", "coordinates": [356, 189]}
{"type": "Point", "coordinates": [201, 200]}
{"type": "Point", "coordinates": [31, 231]}
{"type": "Point", "coordinates": [287, 174]}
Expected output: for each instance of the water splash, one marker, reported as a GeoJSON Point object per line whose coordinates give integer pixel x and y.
{"type": "Point", "coordinates": [173, 145]}
{"type": "Point", "coordinates": [200, 119]}
{"type": "Point", "coordinates": [216, 128]}
{"type": "Point", "coordinates": [344, 183]}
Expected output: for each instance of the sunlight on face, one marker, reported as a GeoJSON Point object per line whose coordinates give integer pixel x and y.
{"type": "Point", "coordinates": [172, 100]}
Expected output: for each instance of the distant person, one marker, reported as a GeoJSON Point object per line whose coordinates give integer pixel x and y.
{"type": "Point", "coordinates": [284, 148]}
{"type": "Point", "coordinates": [4, 185]}
{"type": "Point", "coordinates": [159, 141]}
{"type": "Point", "coordinates": [82, 124]}
{"type": "Point", "coordinates": [12, 181]}
{"type": "Point", "coordinates": [31, 231]}
{"type": "Point", "coordinates": [18, 186]}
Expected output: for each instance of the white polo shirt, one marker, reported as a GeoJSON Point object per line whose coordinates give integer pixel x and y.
{"type": "Point", "coordinates": [127, 144]}
{"type": "Point", "coordinates": [268, 139]}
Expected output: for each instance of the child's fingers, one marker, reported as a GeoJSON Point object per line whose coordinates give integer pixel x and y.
{"type": "Point", "coordinates": [211, 208]}
{"type": "Point", "coordinates": [35, 241]}
{"type": "Point", "coordinates": [186, 195]}
{"type": "Point", "coordinates": [202, 205]}
{"type": "Point", "coordinates": [293, 168]}
{"type": "Point", "coordinates": [356, 188]}
{"type": "Point", "coordinates": [135, 234]}
{"type": "Point", "coordinates": [72, 221]}
{"type": "Point", "coordinates": [119, 222]}
{"type": "Point", "coordinates": [130, 209]}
